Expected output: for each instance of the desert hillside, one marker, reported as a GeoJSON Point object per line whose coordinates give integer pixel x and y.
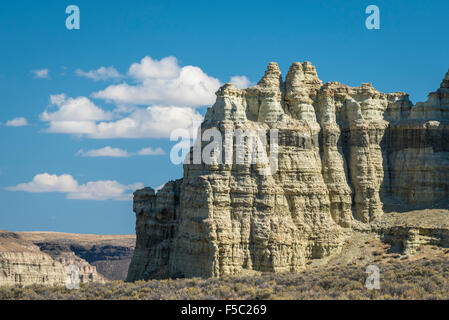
{"type": "Point", "coordinates": [424, 275]}
{"type": "Point", "coordinates": [110, 254]}
{"type": "Point", "coordinates": [41, 257]}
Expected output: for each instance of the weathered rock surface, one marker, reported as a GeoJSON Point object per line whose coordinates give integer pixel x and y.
{"type": "Point", "coordinates": [28, 258]}
{"type": "Point", "coordinates": [345, 156]}
{"type": "Point", "coordinates": [22, 263]}
{"type": "Point", "coordinates": [110, 255]}
{"type": "Point", "coordinates": [406, 232]}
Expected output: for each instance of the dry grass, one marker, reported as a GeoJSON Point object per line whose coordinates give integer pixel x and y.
{"type": "Point", "coordinates": [422, 279]}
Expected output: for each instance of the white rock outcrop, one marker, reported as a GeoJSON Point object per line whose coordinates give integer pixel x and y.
{"type": "Point", "coordinates": [345, 155]}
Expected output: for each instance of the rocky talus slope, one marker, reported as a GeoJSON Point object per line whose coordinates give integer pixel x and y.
{"type": "Point", "coordinates": [348, 160]}
{"type": "Point", "coordinates": [28, 258]}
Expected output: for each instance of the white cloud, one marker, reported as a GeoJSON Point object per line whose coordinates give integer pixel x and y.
{"type": "Point", "coordinates": [151, 122]}
{"type": "Point", "coordinates": [104, 152]}
{"type": "Point", "coordinates": [48, 183]}
{"type": "Point", "coordinates": [241, 82]}
{"type": "Point", "coordinates": [171, 91]}
{"type": "Point", "coordinates": [166, 68]}
{"type": "Point", "coordinates": [151, 152]}
{"type": "Point", "coordinates": [65, 183]}
{"type": "Point", "coordinates": [74, 109]}
{"type": "Point", "coordinates": [102, 73]}
{"type": "Point", "coordinates": [17, 122]}
{"type": "Point", "coordinates": [104, 190]}
{"type": "Point", "coordinates": [163, 82]}
{"type": "Point", "coordinates": [119, 153]}
{"type": "Point", "coordinates": [41, 74]}
{"type": "Point", "coordinates": [72, 127]}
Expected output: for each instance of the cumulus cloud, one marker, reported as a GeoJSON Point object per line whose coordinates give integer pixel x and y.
{"type": "Point", "coordinates": [170, 92]}
{"type": "Point", "coordinates": [151, 152]}
{"type": "Point", "coordinates": [82, 117]}
{"type": "Point", "coordinates": [152, 122]}
{"type": "Point", "coordinates": [166, 68]}
{"type": "Point", "coordinates": [240, 82]}
{"type": "Point", "coordinates": [65, 183]}
{"type": "Point", "coordinates": [74, 109]}
{"type": "Point", "coordinates": [163, 82]}
{"type": "Point", "coordinates": [102, 73]}
{"type": "Point", "coordinates": [17, 122]}
{"type": "Point", "coordinates": [104, 152]}
{"type": "Point", "coordinates": [119, 153]}
{"type": "Point", "coordinates": [41, 74]}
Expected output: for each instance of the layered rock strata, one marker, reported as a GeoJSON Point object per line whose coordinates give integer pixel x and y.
{"type": "Point", "coordinates": [343, 155]}
{"type": "Point", "coordinates": [407, 232]}
{"type": "Point", "coordinates": [22, 263]}
{"type": "Point", "coordinates": [109, 254]}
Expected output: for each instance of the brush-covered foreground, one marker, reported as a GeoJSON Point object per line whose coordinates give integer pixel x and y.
{"type": "Point", "coordinates": [421, 279]}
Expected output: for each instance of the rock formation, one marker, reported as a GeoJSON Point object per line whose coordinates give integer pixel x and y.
{"type": "Point", "coordinates": [344, 157]}
{"type": "Point", "coordinates": [407, 232]}
{"type": "Point", "coordinates": [43, 258]}
{"type": "Point", "coordinates": [109, 254]}
{"type": "Point", "coordinates": [22, 263]}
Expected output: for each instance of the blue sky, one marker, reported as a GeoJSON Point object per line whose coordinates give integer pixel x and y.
{"type": "Point", "coordinates": [72, 114]}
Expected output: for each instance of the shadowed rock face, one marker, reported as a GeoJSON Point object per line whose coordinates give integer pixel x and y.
{"type": "Point", "coordinates": [111, 261]}
{"type": "Point", "coordinates": [345, 156]}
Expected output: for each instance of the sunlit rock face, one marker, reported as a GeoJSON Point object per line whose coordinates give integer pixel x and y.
{"type": "Point", "coordinates": [22, 263]}
{"type": "Point", "coordinates": [344, 155]}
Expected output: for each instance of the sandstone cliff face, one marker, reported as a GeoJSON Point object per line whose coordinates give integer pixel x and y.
{"type": "Point", "coordinates": [407, 232]}
{"type": "Point", "coordinates": [110, 255]}
{"type": "Point", "coordinates": [27, 268]}
{"type": "Point", "coordinates": [345, 155]}
{"type": "Point", "coordinates": [22, 263]}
